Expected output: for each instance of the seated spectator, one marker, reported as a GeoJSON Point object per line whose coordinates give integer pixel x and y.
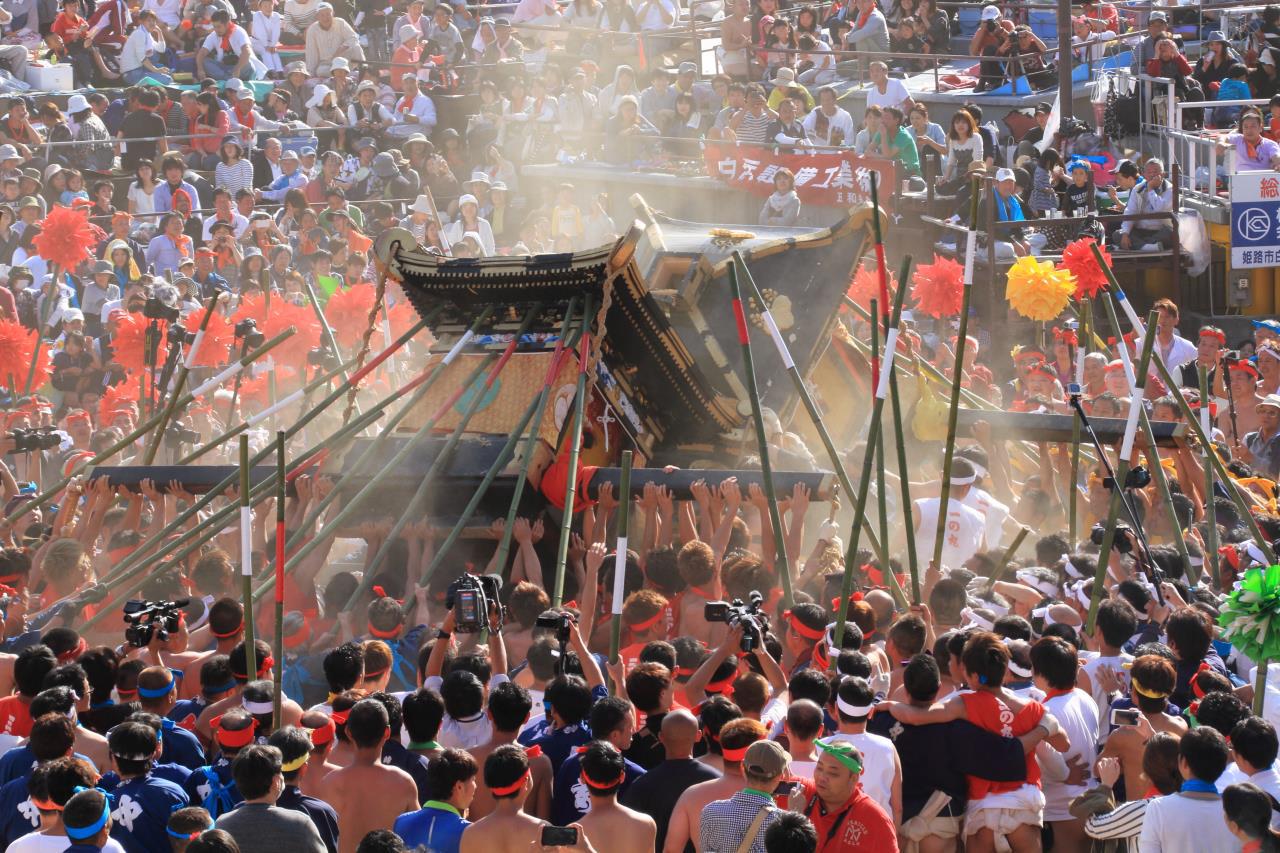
{"type": "Point", "coordinates": [870, 31]}
{"type": "Point", "coordinates": [829, 124]}
{"type": "Point", "coordinates": [895, 142]}
{"type": "Point", "coordinates": [1153, 196]}
{"type": "Point", "coordinates": [1232, 88]}
{"type": "Point", "coordinates": [328, 39]}
{"type": "Point", "coordinates": [1216, 65]}
{"type": "Point", "coordinates": [1253, 151]}
{"type": "Point", "coordinates": [785, 130]}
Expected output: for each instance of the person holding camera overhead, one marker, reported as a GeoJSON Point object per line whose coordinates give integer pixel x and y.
{"type": "Point", "coordinates": [990, 40]}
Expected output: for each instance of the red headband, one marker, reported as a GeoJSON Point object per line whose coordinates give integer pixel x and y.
{"type": "Point", "coordinates": [78, 416]}
{"type": "Point", "coordinates": [230, 739]}
{"type": "Point", "coordinates": [377, 673]}
{"type": "Point", "coordinates": [802, 629]}
{"type": "Point", "coordinates": [1042, 370]}
{"type": "Point", "coordinates": [648, 623]}
{"type": "Point", "coordinates": [298, 637]}
{"type": "Point", "coordinates": [1195, 685]}
{"type": "Point", "coordinates": [723, 688]}
{"type": "Point", "coordinates": [226, 634]}
{"type": "Point", "coordinates": [71, 654]}
{"type": "Point", "coordinates": [853, 596]}
{"type": "Point", "coordinates": [339, 718]}
{"type": "Point", "coordinates": [267, 663]}
{"type": "Point", "coordinates": [602, 786]}
{"type": "Point", "coordinates": [1026, 354]}
{"type": "Point", "coordinates": [384, 635]}
{"type": "Point", "coordinates": [1116, 366]}
{"type": "Point", "coordinates": [1216, 334]}
{"type": "Point", "coordinates": [1245, 367]}
{"type": "Point", "coordinates": [505, 790]}
{"type": "Point", "coordinates": [735, 754]}
{"type": "Point", "coordinates": [321, 735]}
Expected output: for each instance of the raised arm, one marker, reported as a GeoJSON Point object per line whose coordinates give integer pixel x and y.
{"type": "Point", "coordinates": [696, 688]}
{"type": "Point", "coordinates": [590, 669]}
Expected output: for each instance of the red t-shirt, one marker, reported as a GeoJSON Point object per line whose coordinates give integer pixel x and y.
{"type": "Point", "coordinates": [15, 716]}
{"type": "Point", "coordinates": [859, 826]}
{"type": "Point", "coordinates": [988, 712]}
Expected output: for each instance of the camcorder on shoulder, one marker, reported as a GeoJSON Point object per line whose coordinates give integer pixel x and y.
{"type": "Point", "coordinates": [1122, 542]}
{"type": "Point", "coordinates": [146, 620]}
{"type": "Point", "coordinates": [473, 595]}
{"type": "Point", "coordinates": [42, 438]}
{"type": "Point", "coordinates": [754, 622]}
{"type": "Point", "coordinates": [561, 623]}
{"type": "Point", "coordinates": [247, 331]}
{"type": "Point", "coordinates": [156, 309]}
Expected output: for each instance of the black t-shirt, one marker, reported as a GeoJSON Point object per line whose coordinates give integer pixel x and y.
{"type": "Point", "coordinates": [140, 124]}
{"type": "Point", "coordinates": [646, 750]}
{"type": "Point", "coordinates": [655, 793]}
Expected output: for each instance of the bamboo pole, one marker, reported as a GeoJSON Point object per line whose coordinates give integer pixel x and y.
{"type": "Point", "coordinates": [246, 561]}
{"type": "Point", "coordinates": [1137, 383]}
{"type": "Point", "coordinates": [620, 558]}
{"type": "Point", "coordinates": [279, 646]}
{"type": "Point", "coordinates": [815, 417]}
{"type": "Point", "coordinates": [1082, 349]}
{"type": "Point", "coordinates": [325, 328]}
{"type": "Point", "coordinates": [141, 430]}
{"type": "Point", "coordinates": [179, 382]}
{"type": "Point", "coordinates": [415, 507]}
{"type": "Point", "coordinates": [1206, 426]}
{"type": "Point", "coordinates": [957, 374]}
{"type": "Point", "coordinates": [882, 503]}
{"type": "Point", "coordinates": [537, 405]}
{"type": "Point", "coordinates": [575, 449]}
{"type": "Point", "coordinates": [762, 442]}
{"type": "Point", "coordinates": [895, 408]}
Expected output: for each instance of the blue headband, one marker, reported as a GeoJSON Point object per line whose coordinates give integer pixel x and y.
{"type": "Point", "coordinates": [187, 836]}
{"type": "Point", "coordinates": [221, 688]}
{"type": "Point", "coordinates": [81, 833]}
{"type": "Point", "coordinates": [156, 692]}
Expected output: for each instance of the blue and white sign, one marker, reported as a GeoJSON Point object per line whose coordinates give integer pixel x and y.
{"type": "Point", "coordinates": [1255, 220]}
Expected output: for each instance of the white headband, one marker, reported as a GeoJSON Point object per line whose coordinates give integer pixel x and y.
{"type": "Point", "coordinates": [854, 710]}
{"type": "Point", "coordinates": [1070, 567]}
{"type": "Point", "coordinates": [1032, 580]}
{"type": "Point", "coordinates": [1078, 590]}
{"type": "Point", "coordinates": [1020, 671]}
{"type": "Point", "coordinates": [998, 609]}
{"type": "Point", "coordinates": [977, 619]}
{"type": "Point", "coordinates": [1271, 352]}
{"type": "Point", "coordinates": [963, 481]}
{"type": "Point", "coordinates": [257, 708]}
{"type": "Point", "coordinates": [1043, 613]}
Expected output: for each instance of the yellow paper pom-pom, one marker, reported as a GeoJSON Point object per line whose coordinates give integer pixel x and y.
{"type": "Point", "coordinates": [1038, 290]}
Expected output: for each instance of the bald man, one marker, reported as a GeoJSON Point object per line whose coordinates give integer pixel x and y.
{"type": "Point", "coordinates": [656, 792]}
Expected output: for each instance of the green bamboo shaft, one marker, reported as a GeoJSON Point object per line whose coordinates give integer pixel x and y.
{"type": "Point", "coordinates": [246, 563]}
{"type": "Point", "coordinates": [536, 405]}
{"type": "Point", "coordinates": [957, 379]}
{"type": "Point", "coordinates": [415, 507]}
{"type": "Point", "coordinates": [531, 442]}
{"type": "Point", "coordinates": [899, 438]}
{"type": "Point", "coordinates": [141, 430]}
{"type": "Point", "coordinates": [1073, 496]}
{"type": "Point", "coordinates": [882, 504]}
{"type": "Point", "coordinates": [324, 327]}
{"type": "Point", "coordinates": [762, 442]}
{"type": "Point", "coordinates": [575, 450]}
{"type": "Point", "coordinates": [278, 675]}
{"type": "Point", "coordinates": [619, 567]}
{"type": "Point", "coordinates": [179, 382]}
{"type": "Point", "coordinates": [1122, 474]}
{"type": "Point", "coordinates": [1007, 557]}
{"type": "Point", "coordinates": [1211, 557]}
{"type": "Point", "coordinates": [1260, 687]}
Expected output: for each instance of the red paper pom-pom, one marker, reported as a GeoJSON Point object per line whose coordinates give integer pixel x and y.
{"type": "Point", "coordinates": [938, 288]}
{"type": "Point", "coordinates": [1078, 259]}
{"type": "Point", "coordinates": [67, 238]}
{"type": "Point", "coordinates": [219, 337]}
{"type": "Point", "coordinates": [17, 348]}
{"type": "Point", "coordinates": [122, 395]}
{"type": "Point", "coordinates": [348, 313]}
{"type": "Point", "coordinates": [130, 342]}
{"type": "Point", "coordinates": [402, 318]}
{"type": "Point", "coordinates": [282, 315]}
{"type": "Point", "coordinates": [866, 286]}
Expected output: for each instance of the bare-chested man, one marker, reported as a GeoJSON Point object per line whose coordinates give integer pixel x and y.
{"type": "Point", "coordinates": [1151, 681]}
{"type": "Point", "coordinates": [508, 709]}
{"type": "Point", "coordinates": [367, 795]}
{"type": "Point", "coordinates": [323, 735]}
{"type": "Point", "coordinates": [735, 36]}
{"type": "Point", "coordinates": [686, 820]}
{"type": "Point", "coordinates": [609, 825]}
{"type": "Point", "coordinates": [290, 711]}
{"type": "Point", "coordinates": [507, 827]}
{"type": "Point", "coordinates": [1244, 378]}
{"type": "Point", "coordinates": [226, 626]}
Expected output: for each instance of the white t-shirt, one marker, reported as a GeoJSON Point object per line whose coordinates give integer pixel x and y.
{"type": "Point", "coordinates": [652, 18]}
{"type": "Point", "coordinates": [143, 203]}
{"type": "Point", "coordinates": [991, 509]}
{"type": "Point", "coordinates": [239, 41]}
{"type": "Point", "coordinates": [879, 763]}
{"type": "Point", "coordinates": [239, 225]}
{"type": "Point", "coordinates": [966, 530]}
{"type": "Point", "coordinates": [1268, 780]}
{"type": "Point", "coordinates": [1184, 824]}
{"type": "Point", "coordinates": [38, 843]}
{"type": "Point", "coordinates": [468, 733]}
{"type": "Point", "coordinates": [168, 11]}
{"type": "Point", "coordinates": [895, 92]}
{"type": "Point", "coordinates": [1094, 665]}
{"type": "Point", "coordinates": [1078, 715]}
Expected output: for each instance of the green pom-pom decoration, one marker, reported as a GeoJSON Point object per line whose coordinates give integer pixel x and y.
{"type": "Point", "coordinates": [1250, 619]}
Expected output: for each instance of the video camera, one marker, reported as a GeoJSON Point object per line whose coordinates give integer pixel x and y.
{"type": "Point", "coordinates": [247, 331]}
{"type": "Point", "coordinates": [1137, 478]}
{"type": "Point", "coordinates": [156, 309]}
{"type": "Point", "coordinates": [177, 334]}
{"type": "Point", "coordinates": [560, 622]}
{"type": "Point", "coordinates": [473, 595]}
{"type": "Point", "coordinates": [177, 435]}
{"type": "Point", "coordinates": [146, 620]}
{"type": "Point", "coordinates": [43, 438]}
{"type": "Point", "coordinates": [754, 623]}
{"type": "Point", "coordinates": [1121, 542]}
{"type": "Point", "coordinates": [323, 358]}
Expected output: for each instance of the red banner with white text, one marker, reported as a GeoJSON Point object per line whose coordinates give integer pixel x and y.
{"type": "Point", "coordinates": [828, 178]}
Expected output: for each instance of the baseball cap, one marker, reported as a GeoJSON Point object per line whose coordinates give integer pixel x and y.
{"type": "Point", "coordinates": [103, 267]}
{"type": "Point", "coordinates": [1158, 16]}
{"type": "Point", "coordinates": [1270, 325]}
{"type": "Point", "coordinates": [766, 758]}
{"type": "Point", "coordinates": [687, 68]}
{"type": "Point", "coordinates": [990, 13]}
{"type": "Point", "coordinates": [1004, 174]}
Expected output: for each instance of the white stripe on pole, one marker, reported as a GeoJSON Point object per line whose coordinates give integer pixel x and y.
{"type": "Point", "coordinates": [886, 364]}
{"type": "Point", "coordinates": [210, 384]}
{"type": "Point", "coordinates": [246, 540]}
{"type": "Point", "coordinates": [1127, 307]}
{"type": "Point", "coordinates": [619, 575]}
{"type": "Point", "coordinates": [386, 341]}
{"type": "Point", "coordinates": [195, 348]}
{"type": "Point", "coordinates": [271, 410]}
{"type": "Point", "coordinates": [1128, 367]}
{"type": "Point", "coordinates": [1130, 427]}
{"type": "Point", "coordinates": [457, 348]}
{"type": "Point", "coordinates": [778, 342]}
{"type": "Point", "coordinates": [970, 253]}
{"type": "Point", "coordinates": [1204, 419]}
{"type": "Point", "coordinates": [1080, 348]}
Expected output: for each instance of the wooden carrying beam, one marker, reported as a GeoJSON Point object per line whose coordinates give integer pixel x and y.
{"type": "Point", "coordinates": [679, 481]}
{"type": "Point", "coordinates": [1025, 426]}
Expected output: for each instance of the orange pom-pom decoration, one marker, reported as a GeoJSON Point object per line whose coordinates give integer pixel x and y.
{"type": "Point", "coordinates": [282, 315]}
{"type": "Point", "coordinates": [1078, 259]}
{"type": "Point", "coordinates": [130, 342]}
{"type": "Point", "coordinates": [402, 317]}
{"type": "Point", "coordinates": [348, 313]}
{"type": "Point", "coordinates": [121, 396]}
{"type": "Point", "coordinates": [67, 238]}
{"type": "Point", "coordinates": [219, 337]}
{"type": "Point", "coordinates": [17, 348]}
{"type": "Point", "coordinates": [938, 288]}
{"type": "Point", "coordinates": [865, 286]}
